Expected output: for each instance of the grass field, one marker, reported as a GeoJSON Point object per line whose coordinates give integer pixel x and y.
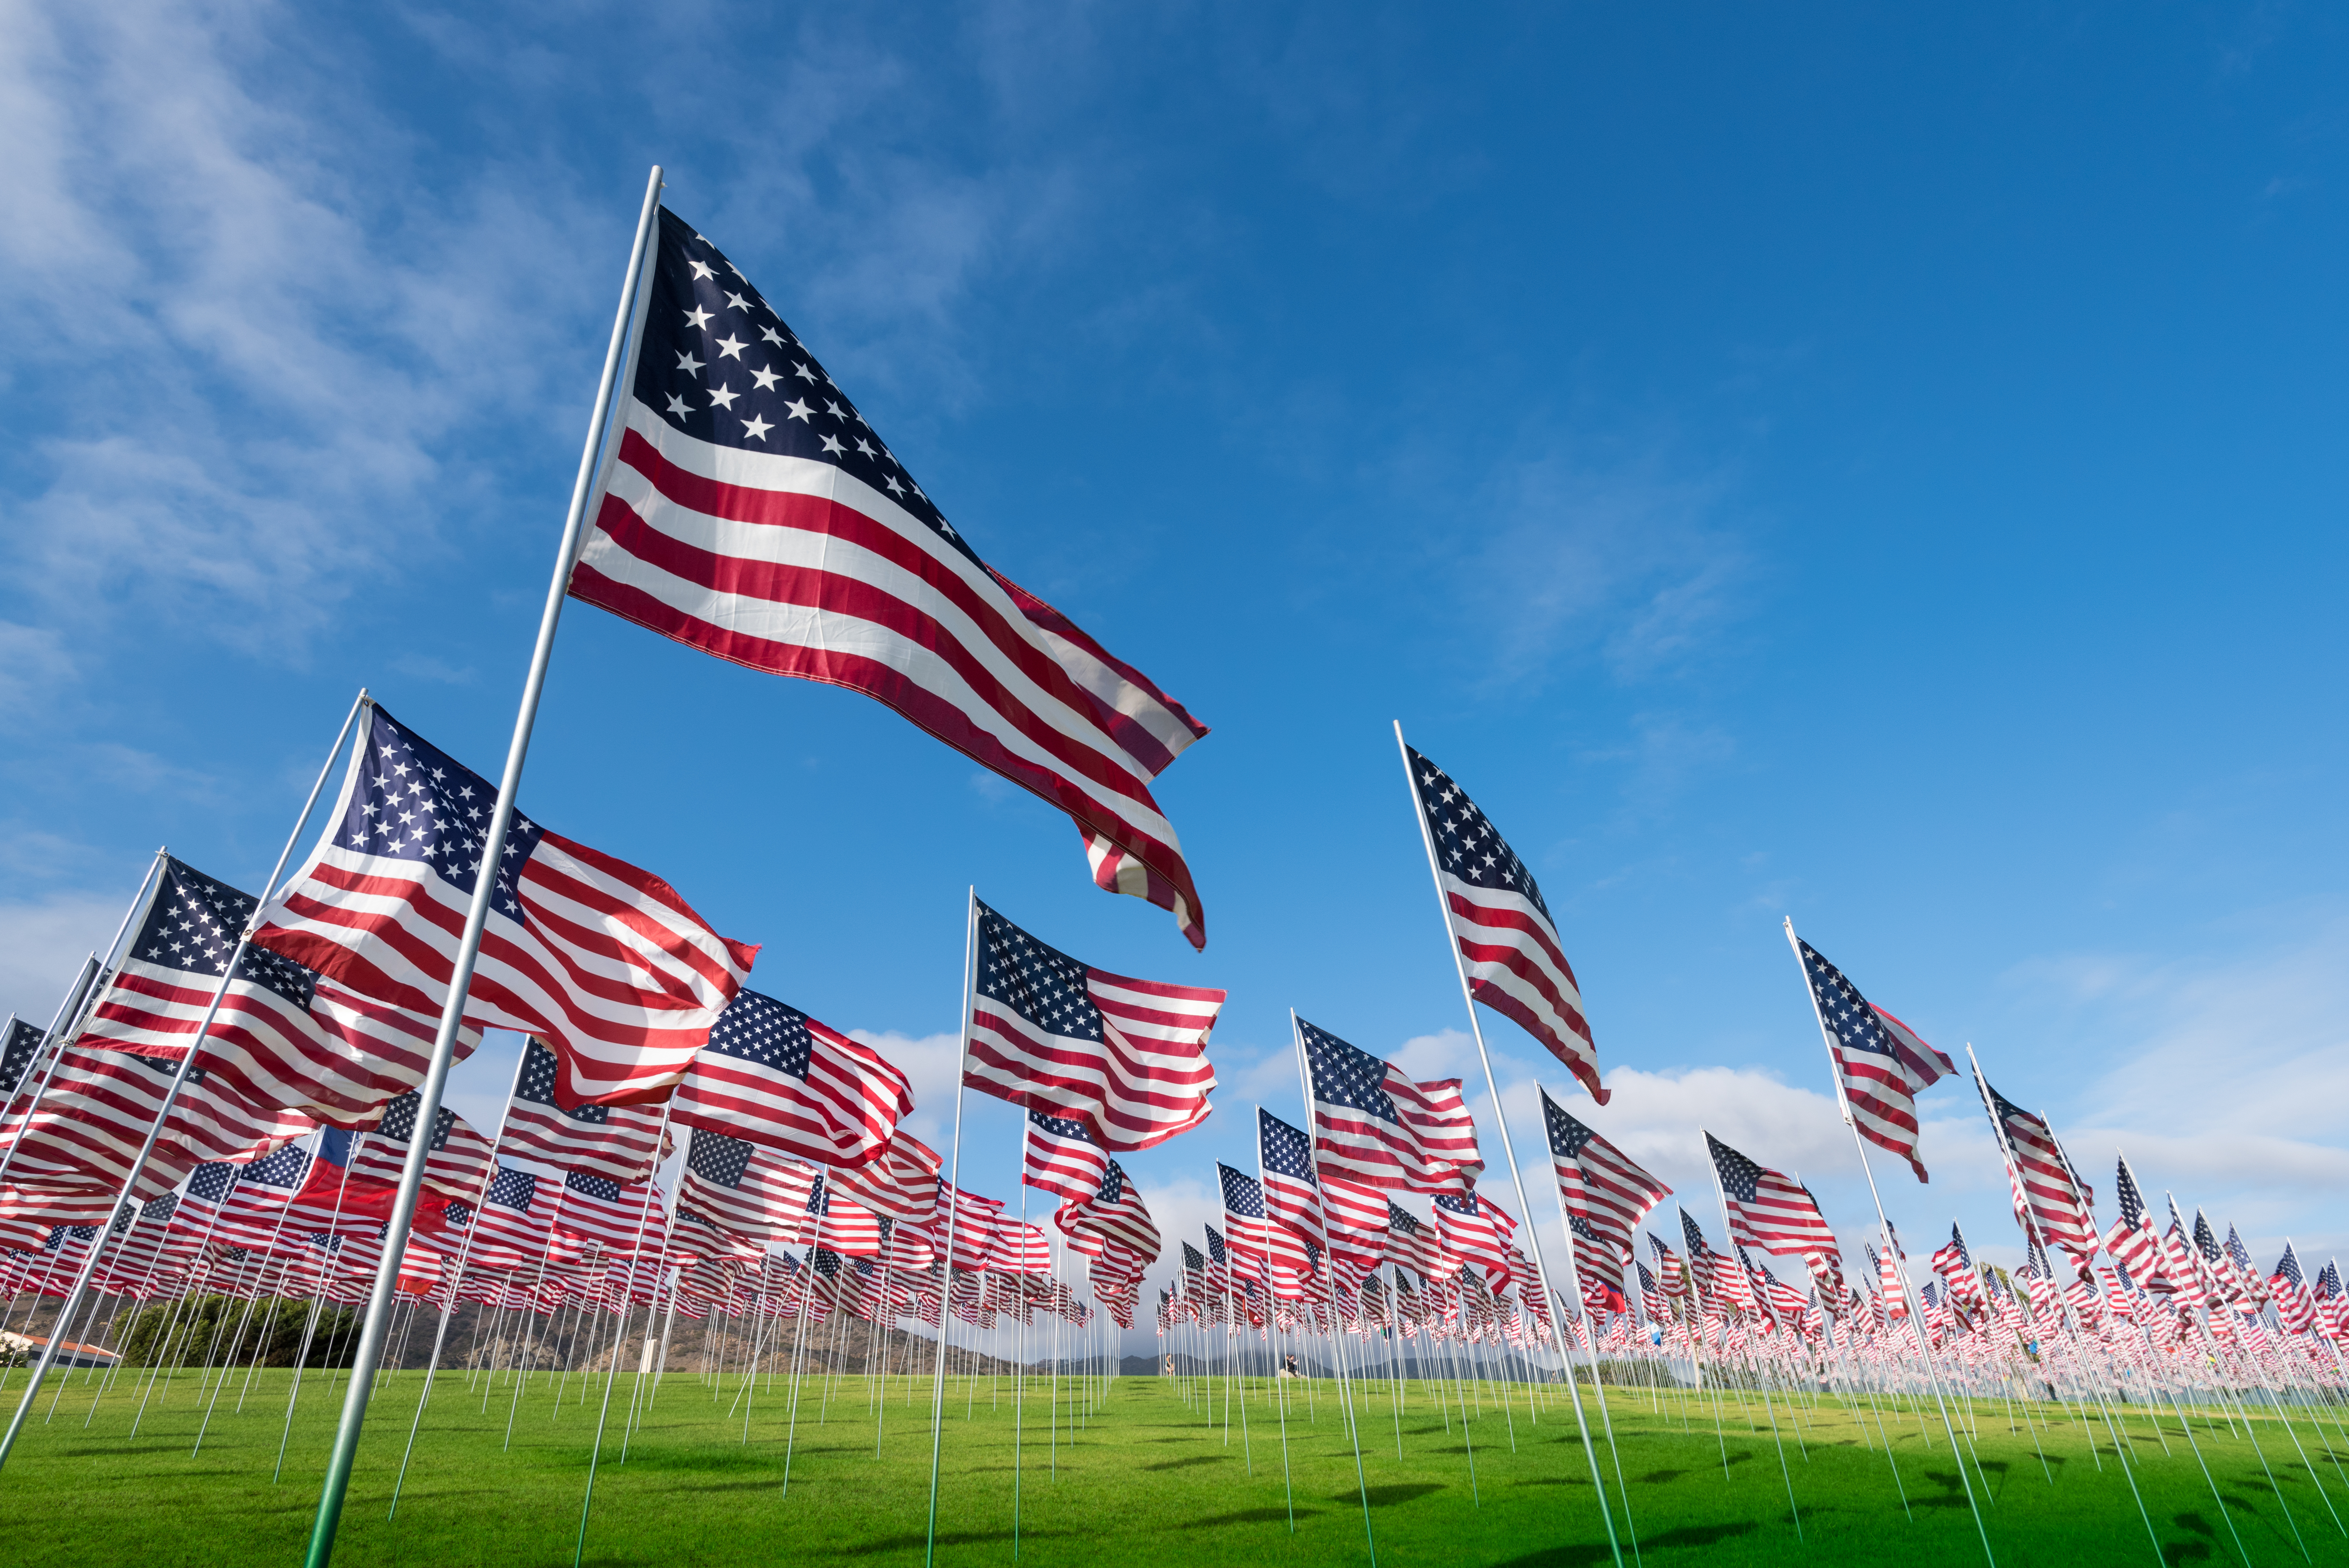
{"type": "Point", "coordinates": [1147, 1481]}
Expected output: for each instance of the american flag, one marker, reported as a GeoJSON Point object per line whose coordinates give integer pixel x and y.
{"type": "Point", "coordinates": [1413, 1245]}
{"type": "Point", "coordinates": [1244, 1220]}
{"type": "Point", "coordinates": [1668, 1263]}
{"type": "Point", "coordinates": [974, 1224]}
{"type": "Point", "coordinates": [2048, 1193]}
{"type": "Point", "coordinates": [771, 1074]}
{"type": "Point", "coordinates": [1356, 1220]}
{"type": "Point", "coordinates": [1955, 1264]}
{"type": "Point", "coordinates": [1112, 1226]}
{"type": "Point", "coordinates": [848, 1228]}
{"type": "Point", "coordinates": [607, 1218]}
{"type": "Point", "coordinates": [2132, 1240]}
{"type": "Point", "coordinates": [457, 1159]}
{"type": "Point", "coordinates": [2215, 1269]}
{"type": "Point", "coordinates": [743, 1189]}
{"type": "Point", "coordinates": [1879, 1060]}
{"type": "Point", "coordinates": [1516, 966]}
{"type": "Point", "coordinates": [1776, 1213]}
{"type": "Point", "coordinates": [1019, 1248]}
{"type": "Point", "coordinates": [284, 1036]}
{"type": "Point", "coordinates": [902, 1184]}
{"type": "Point", "coordinates": [1060, 1158]}
{"type": "Point", "coordinates": [2254, 1284]}
{"type": "Point", "coordinates": [601, 960]}
{"type": "Point", "coordinates": [77, 1144]}
{"type": "Point", "coordinates": [17, 1048]}
{"type": "Point", "coordinates": [255, 1210]}
{"type": "Point", "coordinates": [1479, 1231]}
{"type": "Point", "coordinates": [1374, 1126]}
{"type": "Point", "coordinates": [1126, 1057]}
{"type": "Point", "coordinates": [1601, 1182]}
{"type": "Point", "coordinates": [753, 513]}
{"type": "Point", "coordinates": [618, 1142]}
{"type": "Point", "coordinates": [1286, 1158]}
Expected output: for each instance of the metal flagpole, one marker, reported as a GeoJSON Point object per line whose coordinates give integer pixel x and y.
{"type": "Point", "coordinates": [1508, 1151]}
{"type": "Point", "coordinates": [1737, 1261]}
{"type": "Point", "coordinates": [172, 1096]}
{"type": "Point", "coordinates": [954, 1195]}
{"type": "Point", "coordinates": [1329, 1273]}
{"type": "Point", "coordinates": [1264, 1201]}
{"type": "Point", "coordinates": [456, 1275]}
{"type": "Point", "coordinates": [369, 1349]}
{"type": "Point", "coordinates": [1916, 1313]}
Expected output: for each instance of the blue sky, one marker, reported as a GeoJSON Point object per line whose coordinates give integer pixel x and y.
{"type": "Point", "coordinates": [1876, 469]}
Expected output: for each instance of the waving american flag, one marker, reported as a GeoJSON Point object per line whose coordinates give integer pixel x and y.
{"type": "Point", "coordinates": [1375, 1126]}
{"type": "Point", "coordinates": [776, 1076]}
{"type": "Point", "coordinates": [2049, 1195]}
{"type": "Point", "coordinates": [1879, 1060]}
{"type": "Point", "coordinates": [601, 960]}
{"type": "Point", "coordinates": [1601, 1184]}
{"type": "Point", "coordinates": [1127, 1058]}
{"type": "Point", "coordinates": [1060, 1157]}
{"type": "Point", "coordinates": [753, 513]}
{"type": "Point", "coordinates": [1516, 966]}
{"type": "Point", "coordinates": [284, 1036]}
{"type": "Point", "coordinates": [1775, 1212]}
{"type": "Point", "coordinates": [620, 1142]}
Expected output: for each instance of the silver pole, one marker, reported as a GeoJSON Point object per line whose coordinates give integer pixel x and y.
{"type": "Point", "coordinates": [954, 1196]}
{"type": "Point", "coordinates": [452, 1013]}
{"type": "Point", "coordinates": [179, 1079]}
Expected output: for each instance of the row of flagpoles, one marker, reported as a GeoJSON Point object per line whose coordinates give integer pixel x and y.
{"type": "Point", "coordinates": [239, 1096]}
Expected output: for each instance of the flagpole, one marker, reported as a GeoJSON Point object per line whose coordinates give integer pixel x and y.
{"type": "Point", "coordinates": [171, 1096]}
{"type": "Point", "coordinates": [1508, 1151]}
{"type": "Point", "coordinates": [954, 1197]}
{"type": "Point", "coordinates": [1917, 1316]}
{"type": "Point", "coordinates": [1328, 1269]}
{"type": "Point", "coordinates": [634, 296]}
{"type": "Point", "coordinates": [1264, 1201]}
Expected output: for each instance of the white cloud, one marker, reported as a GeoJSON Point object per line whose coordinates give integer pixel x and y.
{"type": "Point", "coordinates": [43, 944]}
{"type": "Point", "coordinates": [930, 1062]}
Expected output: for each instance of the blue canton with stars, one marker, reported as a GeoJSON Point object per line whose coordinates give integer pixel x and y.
{"type": "Point", "coordinates": [716, 1158]}
{"type": "Point", "coordinates": [399, 1124]}
{"type": "Point", "coordinates": [763, 1031]}
{"type": "Point", "coordinates": [412, 802]}
{"type": "Point", "coordinates": [1567, 1135]}
{"type": "Point", "coordinates": [1242, 1196]}
{"type": "Point", "coordinates": [1347, 1077]}
{"type": "Point", "coordinates": [283, 1168]}
{"type": "Point", "coordinates": [536, 1085]}
{"type": "Point", "coordinates": [1113, 1185]}
{"type": "Point", "coordinates": [1042, 985]}
{"type": "Point", "coordinates": [24, 1043]}
{"type": "Point", "coordinates": [602, 1187]}
{"type": "Point", "coordinates": [192, 925]}
{"type": "Point", "coordinates": [1283, 1149]}
{"type": "Point", "coordinates": [1467, 845]}
{"type": "Point", "coordinates": [513, 1188]}
{"type": "Point", "coordinates": [1848, 1016]}
{"type": "Point", "coordinates": [1742, 1177]}
{"type": "Point", "coordinates": [1060, 1127]}
{"type": "Point", "coordinates": [719, 363]}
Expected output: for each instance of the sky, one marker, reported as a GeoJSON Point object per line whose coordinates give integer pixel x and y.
{"type": "Point", "coordinates": [1876, 469]}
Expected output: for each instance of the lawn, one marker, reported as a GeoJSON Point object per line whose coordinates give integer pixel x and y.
{"type": "Point", "coordinates": [1151, 1477]}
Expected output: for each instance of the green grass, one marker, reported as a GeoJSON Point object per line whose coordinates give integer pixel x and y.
{"type": "Point", "coordinates": [1148, 1480]}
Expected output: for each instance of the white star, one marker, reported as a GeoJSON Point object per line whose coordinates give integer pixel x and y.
{"type": "Point", "coordinates": [678, 406]}
{"type": "Point", "coordinates": [834, 409]}
{"type": "Point", "coordinates": [701, 269]}
{"type": "Point", "coordinates": [699, 318]}
{"type": "Point", "coordinates": [766, 379]}
{"type": "Point", "coordinates": [756, 427]}
{"type": "Point", "coordinates": [862, 447]}
{"type": "Point", "coordinates": [769, 334]}
{"type": "Point", "coordinates": [688, 363]}
{"type": "Point", "coordinates": [736, 301]}
{"type": "Point", "coordinates": [894, 488]}
{"type": "Point", "coordinates": [797, 409]}
{"type": "Point", "coordinates": [731, 348]}
{"type": "Point", "coordinates": [723, 397]}
{"type": "Point", "coordinates": [803, 372]}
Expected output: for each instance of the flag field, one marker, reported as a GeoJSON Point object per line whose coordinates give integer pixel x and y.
{"type": "Point", "coordinates": [1148, 1477]}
